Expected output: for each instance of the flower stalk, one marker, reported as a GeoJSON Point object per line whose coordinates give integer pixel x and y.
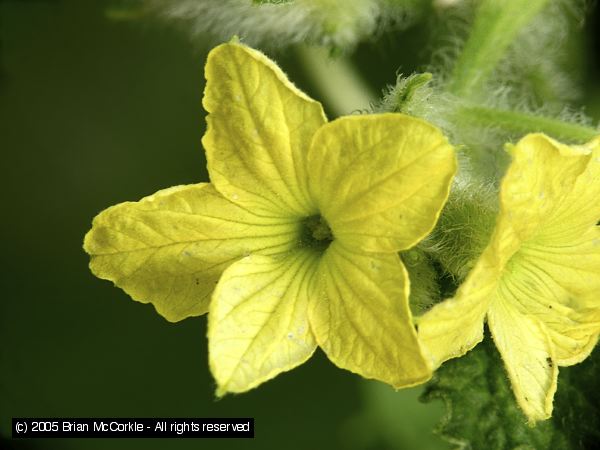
{"type": "Point", "coordinates": [519, 123]}
{"type": "Point", "coordinates": [497, 23]}
{"type": "Point", "coordinates": [336, 79]}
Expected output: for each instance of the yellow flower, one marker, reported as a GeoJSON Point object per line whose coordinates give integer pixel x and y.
{"type": "Point", "coordinates": [299, 230]}
{"type": "Point", "coordinates": [538, 280]}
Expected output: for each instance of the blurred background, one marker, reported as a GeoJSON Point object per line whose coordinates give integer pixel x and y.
{"type": "Point", "coordinates": [96, 110]}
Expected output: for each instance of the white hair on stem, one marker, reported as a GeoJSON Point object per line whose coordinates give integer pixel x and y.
{"type": "Point", "coordinates": [334, 23]}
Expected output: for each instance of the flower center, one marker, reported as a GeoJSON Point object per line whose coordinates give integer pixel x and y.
{"type": "Point", "coordinates": [316, 233]}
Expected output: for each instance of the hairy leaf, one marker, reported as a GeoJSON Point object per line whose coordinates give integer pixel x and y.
{"type": "Point", "coordinates": [481, 411]}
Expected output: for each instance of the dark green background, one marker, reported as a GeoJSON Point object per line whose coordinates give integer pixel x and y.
{"type": "Point", "coordinates": [94, 112]}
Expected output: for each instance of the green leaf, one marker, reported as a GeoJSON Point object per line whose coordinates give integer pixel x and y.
{"type": "Point", "coordinates": [481, 412]}
{"type": "Point", "coordinates": [577, 403]}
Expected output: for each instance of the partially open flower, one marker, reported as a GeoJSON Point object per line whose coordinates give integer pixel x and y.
{"type": "Point", "coordinates": [538, 280]}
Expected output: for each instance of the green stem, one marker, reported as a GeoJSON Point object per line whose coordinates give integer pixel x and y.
{"type": "Point", "coordinates": [497, 23]}
{"type": "Point", "coordinates": [520, 123]}
{"type": "Point", "coordinates": [337, 80]}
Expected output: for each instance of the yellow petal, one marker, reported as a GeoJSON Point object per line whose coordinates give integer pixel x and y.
{"type": "Point", "coordinates": [380, 180]}
{"type": "Point", "coordinates": [362, 320]}
{"type": "Point", "coordinates": [538, 278]}
{"type": "Point", "coordinates": [453, 327]}
{"type": "Point", "coordinates": [258, 325]}
{"type": "Point", "coordinates": [259, 131]}
{"type": "Point", "coordinates": [527, 352]}
{"type": "Point", "coordinates": [170, 248]}
{"type": "Point", "coordinates": [547, 288]}
{"type": "Point", "coordinates": [550, 191]}
{"type": "Point", "coordinates": [550, 200]}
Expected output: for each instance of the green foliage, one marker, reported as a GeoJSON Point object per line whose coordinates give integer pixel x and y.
{"type": "Point", "coordinates": [464, 228]}
{"type": "Point", "coordinates": [408, 95]}
{"type": "Point", "coordinates": [336, 24]}
{"type": "Point", "coordinates": [481, 412]}
{"type": "Point", "coordinates": [577, 403]}
{"type": "Point", "coordinates": [495, 26]}
{"type": "Point", "coordinates": [539, 70]}
{"type": "Point", "coordinates": [262, 2]}
{"type": "Point", "coordinates": [498, 75]}
{"type": "Point", "coordinates": [424, 287]}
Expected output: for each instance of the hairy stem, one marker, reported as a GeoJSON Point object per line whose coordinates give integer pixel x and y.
{"type": "Point", "coordinates": [520, 123]}
{"type": "Point", "coordinates": [497, 23]}
{"type": "Point", "coordinates": [338, 82]}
